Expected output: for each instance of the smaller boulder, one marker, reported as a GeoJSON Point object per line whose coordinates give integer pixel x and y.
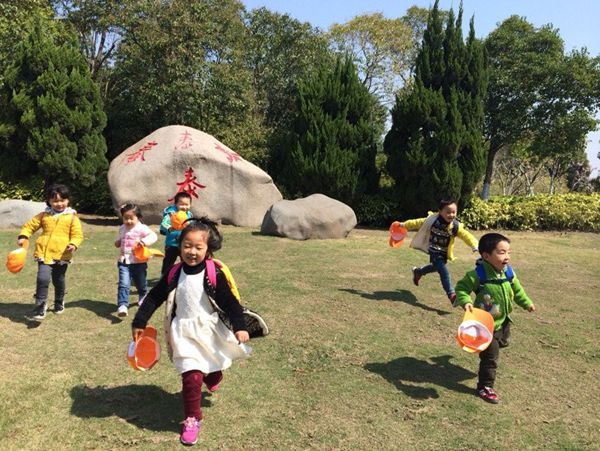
{"type": "Point", "coordinates": [15, 213]}
{"type": "Point", "coordinates": [316, 216]}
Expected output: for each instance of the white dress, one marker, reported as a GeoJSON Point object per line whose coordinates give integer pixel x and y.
{"type": "Point", "coordinates": [199, 339]}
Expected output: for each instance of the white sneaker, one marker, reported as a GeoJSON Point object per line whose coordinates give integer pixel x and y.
{"type": "Point", "coordinates": [122, 310]}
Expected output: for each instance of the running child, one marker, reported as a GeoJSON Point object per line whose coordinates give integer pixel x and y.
{"type": "Point", "coordinates": [182, 202]}
{"type": "Point", "coordinates": [435, 236]}
{"type": "Point", "coordinates": [61, 236]}
{"type": "Point", "coordinates": [496, 287]}
{"type": "Point", "coordinates": [199, 343]}
{"type": "Point", "coordinates": [132, 233]}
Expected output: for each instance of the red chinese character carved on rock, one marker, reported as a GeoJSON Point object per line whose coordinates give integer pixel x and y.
{"type": "Point", "coordinates": [140, 152]}
{"type": "Point", "coordinates": [189, 184]}
{"type": "Point", "coordinates": [185, 141]}
{"type": "Point", "coordinates": [230, 154]}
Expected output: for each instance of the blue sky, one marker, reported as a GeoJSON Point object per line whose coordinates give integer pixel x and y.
{"type": "Point", "coordinates": [577, 21]}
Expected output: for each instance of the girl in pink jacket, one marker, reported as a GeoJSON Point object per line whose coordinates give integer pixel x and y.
{"type": "Point", "coordinates": [132, 233]}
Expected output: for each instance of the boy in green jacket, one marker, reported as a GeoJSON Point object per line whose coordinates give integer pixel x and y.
{"type": "Point", "coordinates": [496, 287]}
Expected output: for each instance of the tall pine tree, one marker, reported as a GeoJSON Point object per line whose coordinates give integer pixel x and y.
{"type": "Point", "coordinates": [52, 118]}
{"type": "Point", "coordinates": [333, 143]}
{"type": "Point", "coordinates": [434, 147]}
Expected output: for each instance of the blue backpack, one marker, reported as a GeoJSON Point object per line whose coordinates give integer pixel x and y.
{"type": "Point", "coordinates": [480, 270]}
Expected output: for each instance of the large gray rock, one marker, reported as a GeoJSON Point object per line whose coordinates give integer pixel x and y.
{"type": "Point", "coordinates": [224, 186]}
{"type": "Point", "coordinates": [315, 216]}
{"type": "Point", "coordinates": [15, 213]}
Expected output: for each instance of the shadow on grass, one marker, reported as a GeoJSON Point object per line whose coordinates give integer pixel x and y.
{"type": "Point", "coordinates": [406, 373]}
{"type": "Point", "coordinates": [20, 313]}
{"type": "Point", "coordinates": [398, 295]}
{"type": "Point", "coordinates": [144, 406]}
{"type": "Point", "coordinates": [102, 309]}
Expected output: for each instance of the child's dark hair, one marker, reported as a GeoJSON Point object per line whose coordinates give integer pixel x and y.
{"type": "Point", "coordinates": [203, 224]}
{"type": "Point", "coordinates": [131, 207]}
{"type": "Point", "coordinates": [182, 195]}
{"type": "Point", "coordinates": [489, 241]}
{"type": "Point", "coordinates": [445, 202]}
{"type": "Point", "coordinates": [57, 189]}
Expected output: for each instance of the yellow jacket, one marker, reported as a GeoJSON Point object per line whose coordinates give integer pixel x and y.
{"type": "Point", "coordinates": [58, 231]}
{"type": "Point", "coordinates": [421, 239]}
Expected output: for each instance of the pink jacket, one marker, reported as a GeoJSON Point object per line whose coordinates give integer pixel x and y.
{"type": "Point", "coordinates": [127, 238]}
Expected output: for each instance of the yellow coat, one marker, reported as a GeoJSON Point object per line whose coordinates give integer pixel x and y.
{"type": "Point", "coordinates": [58, 231]}
{"type": "Point", "coordinates": [421, 239]}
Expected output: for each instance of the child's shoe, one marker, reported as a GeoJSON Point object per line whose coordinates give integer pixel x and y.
{"type": "Point", "coordinates": [213, 387]}
{"type": "Point", "coordinates": [452, 297]}
{"type": "Point", "coordinates": [39, 311]}
{"type": "Point", "coordinates": [416, 275]}
{"type": "Point", "coordinates": [122, 311]}
{"type": "Point", "coordinates": [59, 308]}
{"type": "Point", "coordinates": [191, 428]}
{"type": "Point", "coordinates": [488, 394]}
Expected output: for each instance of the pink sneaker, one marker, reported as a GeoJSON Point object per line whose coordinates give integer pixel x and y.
{"type": "Point", "coordinates": [213, 387]}
{"type": "Point", "coordinates": [191, 429]}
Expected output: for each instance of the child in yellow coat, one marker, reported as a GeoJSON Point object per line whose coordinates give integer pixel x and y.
{"type": "Point", "coordinates": [61, 236]}
{"type": "Point", "coordinates": [435, 237]}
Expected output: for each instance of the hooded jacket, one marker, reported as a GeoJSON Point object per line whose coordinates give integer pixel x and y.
{"type": "Point", "coordinates": [58, 231]}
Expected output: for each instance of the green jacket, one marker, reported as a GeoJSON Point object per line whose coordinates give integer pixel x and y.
{"type": "Point", "coordinates": [502, 295]}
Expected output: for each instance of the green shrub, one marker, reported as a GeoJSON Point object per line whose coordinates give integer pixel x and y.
{"type": "Point", "coordinates": [94, 200]}
{"type": "Point", "coordinates": [377, 210]}
{"type": "Point", "coordinates": [32, 189]}
{"type": "Point", "coordinates": [573, 211]}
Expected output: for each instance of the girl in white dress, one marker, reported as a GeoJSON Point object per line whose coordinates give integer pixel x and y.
{"type": "Point", "coordinates": [199, 343]}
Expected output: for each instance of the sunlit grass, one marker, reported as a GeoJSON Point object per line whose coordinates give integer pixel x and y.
{"type": "Point", "coordinates": [358, 357]}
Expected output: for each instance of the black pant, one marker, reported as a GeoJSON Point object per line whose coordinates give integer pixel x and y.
{"type": "Point", "coordinates": [45, 272]}
{"type": "Point", "coordinates": [488, 359]}
{"type": "Point", "coordinates": [171, 254]}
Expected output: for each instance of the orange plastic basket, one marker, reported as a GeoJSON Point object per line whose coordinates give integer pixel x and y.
{"type": "Point", "coordinates": [476, 331]}
{"type": "Point", "coordinates": [15, 260]}
{"type": "Point", "coordinates": [397, 234]}
{"type": "Point", "coordinates": [178, 218]}
{"type": "Point", "coordinates": [144, 352]}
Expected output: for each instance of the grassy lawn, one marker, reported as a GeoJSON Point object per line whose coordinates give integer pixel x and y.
{"type": "Point", "coordinates": [358, 357]}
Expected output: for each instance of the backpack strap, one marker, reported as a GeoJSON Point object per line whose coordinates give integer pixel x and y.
{"type": "Point", "coordinates": [172, 272]}
{"type": "Point", "coordinates": [480, 270]}
{"type": "Point", "coordinates": [455, 224]}
{"type": "Point", "coordinates": [211, 272]}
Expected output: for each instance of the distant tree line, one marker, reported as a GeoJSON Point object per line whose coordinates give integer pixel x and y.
{"type": "Point", "coordinates": [386, 115]}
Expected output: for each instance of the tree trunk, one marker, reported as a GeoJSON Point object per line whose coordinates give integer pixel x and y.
{"type": "Point", "coordinates": [489, 171]}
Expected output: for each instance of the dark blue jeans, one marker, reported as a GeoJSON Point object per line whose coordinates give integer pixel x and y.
{"type": "Point", "coordinates": [135, 272]}
{"type": "Point", "coordinates": [438, 264]}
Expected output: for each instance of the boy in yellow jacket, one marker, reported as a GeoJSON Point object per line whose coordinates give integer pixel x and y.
{"type": "Point", "coordinates": [61, 236]}
{"type": "Point", "coordinates": [435, 237]}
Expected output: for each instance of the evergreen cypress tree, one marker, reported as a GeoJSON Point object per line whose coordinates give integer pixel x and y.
{"type": "Point", "coordinates": [52, 121]}
{"type": "Point", "coordinates": [434, 146]}
{"type": "Point", "coordinates": [332, 146]}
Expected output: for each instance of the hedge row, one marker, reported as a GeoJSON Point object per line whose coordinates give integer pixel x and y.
{"type": "Point", "coordinates": [573, 211]}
